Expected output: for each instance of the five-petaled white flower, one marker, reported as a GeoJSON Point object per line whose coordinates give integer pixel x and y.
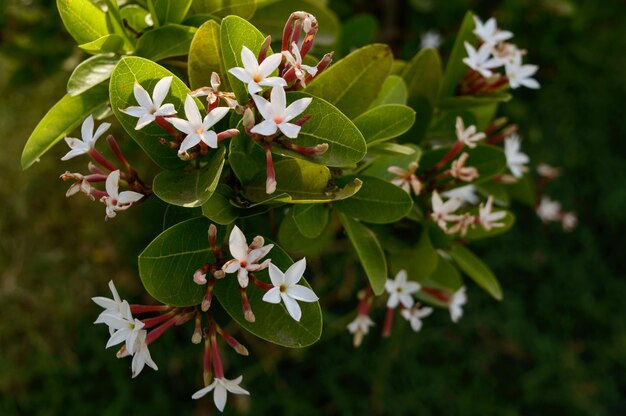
{"type": "Point", "coordinates": [487, 217]}
{"type": "Point", "coordinates": [455, 305]}
{"type": "Point", "coordinates": [277, 115]}
{"type": "Point", "coordinates": [468, 135]}
{"type": "Point", "coordinates": [197, 129]}
{"type": "Point", "coordinates": [444, 212]}
{"type": "Point", "coordinates": [481, 61]}
{"type": "Point", "coordinates": [246, 257]}
{"type": "Point", "coordinates": [460, 171]}
{"type": "Point", "coordinates": [515, 160]}
{"type": "Point", "coordinates": [295, 60]}
{"type": "Point", "coordinates": [110, 306]}
{"type": "Point", "coordinates": [255, 74]}
{"type": "Point", "coordinates": [115, 200]}
{"type": "Point", "coordinates": [141, 355]}
{"type": "Point", "coordinates": [406, 178]}
{"type": "Point", "coordinates": [88, 142]}
{"type": "Point", "coordinates": [415, 314]}
{"type": "Point", "coordinates": [285, 288]}
{"type": "Point", "coordinates": [125, 327]}
{"type": "Point", "coordinates": [549, 210]}
{"type": "Point", "coordinates": [221, 386]}
{"type": "Point", "coordinates": [361, 324]}
{"type": "Point", "coordinates": [150, 108]}
{"type": "Point", "coordinates": [489, 32]}
{"type": "Point", "coordinates": [400, 290]}
{"type": "Point", "coordinates": [520, 75]}
{"type": "Point", "coordinates": [467, 193]}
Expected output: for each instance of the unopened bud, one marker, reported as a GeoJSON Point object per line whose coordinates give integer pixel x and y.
{"type": "Point", "coordinates": [270, 186]}
{"type": "Point", "coordinates": [248, 119]}
{"type": "Point", "coordinates": [199, 277]}
{"type": "Point", "coordinates": [212, 234]}
{"type": "Point", "coordinates": [320, 149]}
{"type": "Point", "coordinates": [257, 242]}
{"type": "Point", "coordinates": [219, 274]}
{"type": "Point", "coordinates": [240, 349]}
{"type": "Point", "coordinates": [249, 315]}
{"type": "Point", "coordinates": [206, 304]}
{"type": "Point", "coordinates": [264, 48]}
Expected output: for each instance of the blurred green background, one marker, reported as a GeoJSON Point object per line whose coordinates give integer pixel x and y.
{"type": "Point", "coordinates": [555, 345]}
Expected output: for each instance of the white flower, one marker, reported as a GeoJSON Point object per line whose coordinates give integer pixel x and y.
{"type": "Point", "coordinates": [468, 135]}
{"type": "Point", "coordinates": [285, 288]}
{"type": "Point", "coordinates": [246, 257]}
{"type": "Point", "coordinates": [141, 355]}
{"type": "Point", "coordinates": [460, 171]}
{"type": "Point", "coordinates": [430, 39]}
{"type": "Point", "coordinates": [88, 142]}
{"type": "Point", "coordinates": [487, 217]}
{"type": "Point", "coordinates": [548, 171]}
{"type": "Point", "coordinates": [444, 212]}
{"type": "Point", "coordinates": [549, 210]}
{"type": "Point", "coordinates": [489, 32]}
{"type": "Point", "coordinates": [117, 201]}
{"type": "Point", "coordinates": [466, 193]}
{"type": "Point", "coordinates": [81, 184]}
{"type": "Point", "coordinates": [361, 324]}
{"type": "Point", "coordinates": [111, 306]}
{"type": "Point", "coordinates": [295, 60]}
{"type": "Point", "coordinates": [126, 328]}
{"type": "Point", "coordinates": [255, 75]}
{"type": "Point", "coordinates": [400, 290]}
{"type": "Point", "coordinates": [406, 178]}
{"type": "Point", "coordinates": [415, 315]}
{"type": "Point", "coordinates": [569, 220]}
{"type": "Point", "coordinates": [277, 116]}
{"type": "Point", "coordinates": [507, 52]}
{"type": "Point", "coordinates": [221, 387]}
{"type": "Point", "coordinates": [197, 129]}
{"type": "Point", "coordinates": [520, 75]}
{"type": "Point", "coordinates": [481, 61]}
{"type": "Point", "coordinates": [458, 299]}
{"type": "Point", "coordinates": [150, 108]}
{"type": "Point", "coordinates": [515, 160]}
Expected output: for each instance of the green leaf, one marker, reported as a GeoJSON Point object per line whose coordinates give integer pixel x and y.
{"type": "Point", "coordinates": [171, 11]}
{"type": "Point", "coordinates": [106, 44]}
{"type": "Point", "coordinates": [445, 277]}
{"type": "Point", "coordinates": [497, 190]}
{"type": "Point", "coordinates": [523, 191]}
{"type": "Point", "coordinates": [423, 76]}
{"type": "Point", "coordinates": [236, 33]}
{"type": "Point", "coordinates": [377, 201]}
{"type": "Point", "coordinates": [379, 168]}
{"type": "Point", "coordinates": [271, 19]}
{"type": "Point", "coordinates": [311, 219]}
{"type": "Point", "coordinates": [346, 145]}
{"type": "Point", "coordinates": [83, 20]}
{"type": "Point", "coordinates": [66, 115]}
{"type": "Point", "coordinates": [354, 82]}
{"type": "Point", "coordinates": [273, 323]}
{"type": "Point", "coordinates": [167, 265]}
{"type": "Point", "coordinates": [218, 208]}
{"type": "Point", "coordinates": [242, 8]}
{"type": "Point", "coordinates": [90, 73]}
{"type": "Point", "coordinates": [147, 73]}
{"type": "Point", "coordinates": [135, 17]}
{"type": "Point", "coordinates": [304, 183]}
{"type": "Point", "coordinates": [418, 261]}
{"type": "Point", "coordinates": [175, 214]}
{"type": "Point", "coordinates": [393, 91]}
{"type": "Point", "coordinates": [385, 122]}
{"type": "Point", "coordinates": [205, 57]}
{"type": "Point", "coordinates": [455, 68]}
{"type": "Point", "coordinates": [294, 241]}
{"type": "Point", "coordinates": [390, 149]}
{"type": "Point", "coordinates": [465, 102]}
{"type": "Point", "coordinates": [369, 252]}
{"type": "Point", "coordinates": [479, 232]}
{"type": "Point", "coordinates": [190, 187]}
{"type": "Point", "coordinates": [476, 269]}
{"type": "Point", "coordinates": [165, 42]}
{"type": "Point", "coordinates": [246, 159]}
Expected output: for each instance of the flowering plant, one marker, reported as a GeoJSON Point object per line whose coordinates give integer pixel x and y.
{"type": "Point", "coordinates": [260, 137]}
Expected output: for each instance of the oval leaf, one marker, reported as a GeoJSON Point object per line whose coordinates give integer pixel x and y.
{"type": "Point", "coordinates": [354, 82]}
{"type": "Point", "coordinates": [243, 8]}
{"type": "Point", "coordinates": [90, 73]}
{"type": "Point", "coordinates": [165, 42]}
{"type": "Point", "coordinates": [455, 68]}
{"type": "Point", "coordinates": [393, 91]}
{"type": "Point", "coordinates": [106, 44]}
{"type": "Point", "coordinates": [311, 219]}
{"type": "Point", "coordinates": [385, 122]}
{"type": "Point", "coordinates": [218, 208]}
{"type": "Point", "coordinates": [380, 167]}
{"type": "Point", "coordinates": [83, 20]}
{"type": "Point", "coordinates": [419, 261]}
{"type": "Point", "coordinates": [423, 76]}
{"type": "Point", "coordinates": [205, 57]}
{"type": "Point", "coordinates": [171, 11]}
{"type": "Point", "coordinates": [476, 269]}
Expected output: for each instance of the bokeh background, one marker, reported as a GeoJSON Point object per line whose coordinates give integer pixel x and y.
{"type": "Point", "coordinates": [555, 345]}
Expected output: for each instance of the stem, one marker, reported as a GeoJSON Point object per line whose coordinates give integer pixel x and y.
{"type": "Point", "coordinates": [101, 160]}
{"type": "Point", "coordinates": [118, 152]}
{"type": "Point", "coordinates": [150, 322]}
{"type": "Point", "coordinates": [135, 309]}
{"type": "Point", "coordinates": [245, 304]}
{"type": "Point", "coordinates": [264, 286]}
{"type": "Point", "coordinates": [236, 345]}
{"type": "Point", "coordinates": [207, 374]}
{"type": "Point", "coordinates": [388, 322]}
{"type": "Point", "coordinates": [159, 330]}
{"type": "Point", "coordinates": [217, 361]}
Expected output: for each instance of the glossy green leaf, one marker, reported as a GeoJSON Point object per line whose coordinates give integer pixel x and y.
{"type": "Point", "coordinates": [83, 20]}
{"type": "Point", "coordinates": [246, 159]}
{"type": "Point", "coordinates": [455, 68]}
{"type": "Point", "coordinates": [385, 122]}
{"type": "Point", "coordinates": [292, 240]}
{"type": "Point", "coordinates": [304, 183]}
{"type": "Point", "coordinates": [393, 91]}
{"type": "Point", "coordinates": [311, 219]}
{"type": "Point", "coordinates": [175, 214]}
{"type": "Point", "coordinates": [218, 207]}
{"type": "Point", "coordinates": [171, 11]}
{"type": "Point", "coordinates": [419, 261]}
{"type": "Point", "coordinates": [353, 83]}
{"type": "Point", "coordinates": [369, 252]}
{"type": "Point", "coordinates": [106, 44]}
{"type": "Point", "coordinates": [66, 115]}
{"type": "Point", "coordinates": [234, 34]}
{"type": "Point", "coordinates": [167, 265]}
{"type": "Point", "coordinates": [379, 167]}
{"type": "Point", "coordinates": [90, 73]}
{"type": "Point", "coordinates": [479, 232]}
{"type": "Point", "coordinates": [147, 73]}
{"type": "Point", "coordinates": [165, 42]}
{"type": "Point", "coordinates": [346, 145]}
{"type": "Point", "coordinates": [271, 19]}
{"type": "Point", "coordinates": [242, 8]}
{"type": "Point", "coordinates": [205, 57]}
{"type": "Point", "coordinates": [423, 76]}
{"type": "Point", "coordinates": [190, 187]}
{"type": "Point", "coordinates": [378, 202]}
{"type": "Point", "coordinates": [273, 323]}
{"type": "Point", "coordinates": [476, 269]}
{"type": "Point", "coordinates": [136, 17]}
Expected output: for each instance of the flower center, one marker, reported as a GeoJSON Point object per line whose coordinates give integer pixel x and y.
{"type": "Point", "coordinates": [256, 77]}
{"type": "Point", "coordinates": [243, 264]}
{"type": "Point", "coordinates": [282, 288]}
{"type": "Point", "coordinates": [278, 119]}
{"type": "Point", "coordinates": [199, 130]}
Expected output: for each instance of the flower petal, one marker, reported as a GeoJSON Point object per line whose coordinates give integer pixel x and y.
{"type": "Point", "coordinates": [86, 130]}
{"type": "Point", "coordinates": [272, 295]}
{"type": "Point", "coordinates": [165, 110]}
{"type": "Point", "coordinates": [276, 276]}
{"type": "Point", "coordinates": [238, 245]}
{"type": "Point", "coordinates": [241, 74]}
{"type": "Point", "coordinates": [99, 132]}
{"type": "Point", "coordinates": [231, 266]}
{"type": "Point", "coordinates": [264, 107]}
{"type": "Point", "coordinates": [292, 307]}
{"type": "Point", "coordinates": [144, 121]}
{"type": "Point", "coordinates": [214, 116]}
{"type": "Point", "coordinates": [270, 64]}
{"type": "Point", "coordinates": [289, 129]}
{"type": "Point", "coordinates": [192, 112]}
{"type": "Point", "coordinates": [135, 111]}
{"type": "Point", "coordinates": [113, 183]}
{"type": "Point", "coordinates": [249, 60]}
{"type": "Point", "coordinates": [160, 91]}
{"type": "Point", "coordinates": [128, 197]}
{"type": "Point", "coordinates": [203, 391]}
{"type": "Point", "coordinates": [297, 107]}
{"type": "Point", "coordinates": [295, 271]}
{"type": "Point", "coordinates": [279, 101]}
{"type": "Point", "coordinates": [190, 141]}
{"type": "Point", "coordinates": [302, 293]}
{"type": "Point", "coordinates": [219, 396]}
{"type": "Point", "coordinates": [209, 138]}
{"type": "Point", "coordinates": [181, 125]}
{"type": "Point", "coordinates": [142, 96]}
{"type": "Point", "coordinates": [265, 128]}
{"type": "Point", "coordinates": [259, 253]}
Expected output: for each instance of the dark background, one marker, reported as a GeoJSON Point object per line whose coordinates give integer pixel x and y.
{"type": "Point", "coordinates": [555, 345]}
